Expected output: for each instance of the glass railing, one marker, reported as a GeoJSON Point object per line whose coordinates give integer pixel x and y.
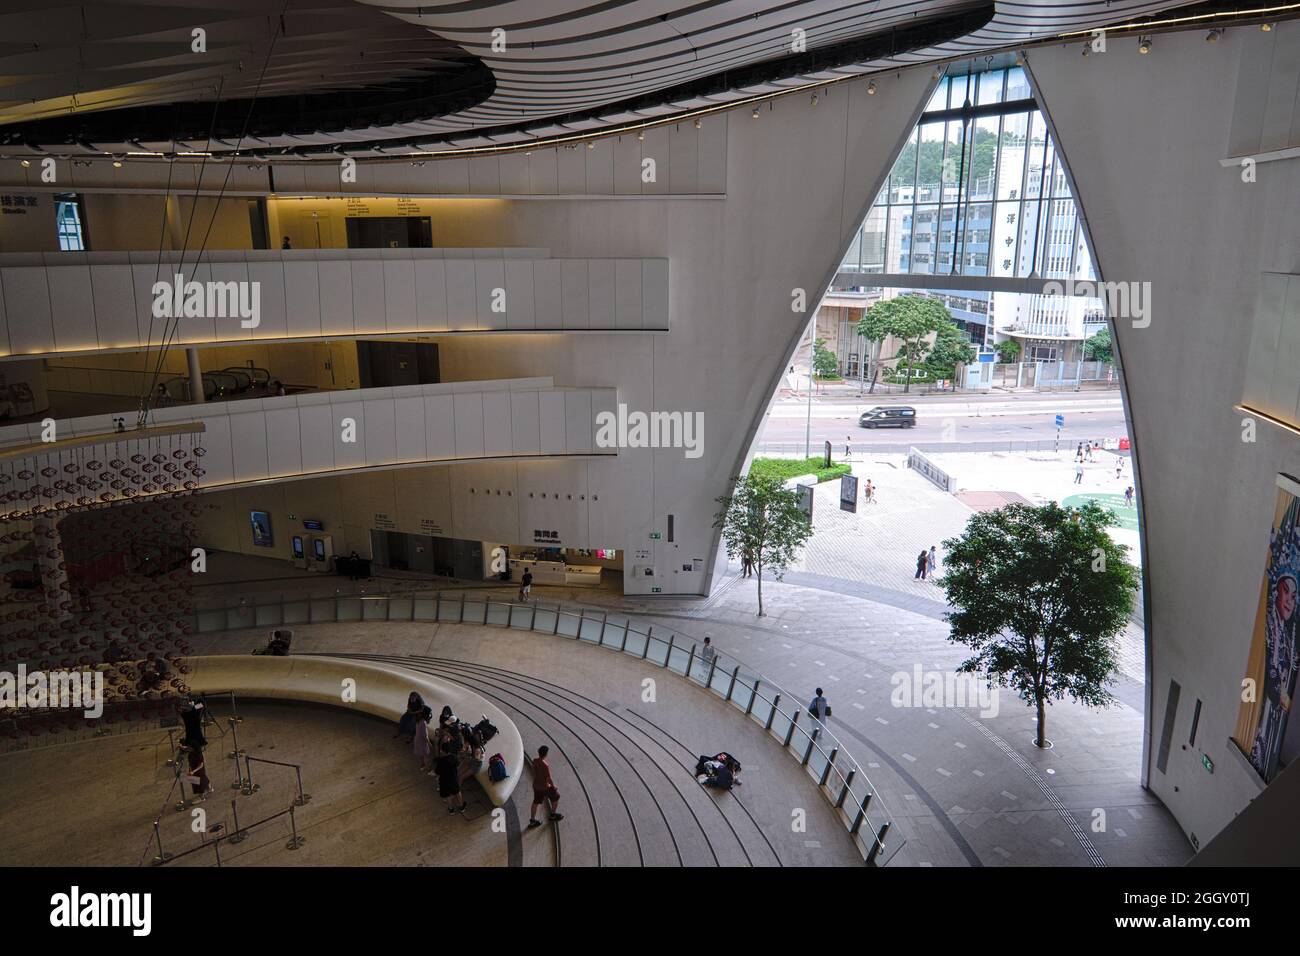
{"type": "Point", "coordinates": [840, 778]}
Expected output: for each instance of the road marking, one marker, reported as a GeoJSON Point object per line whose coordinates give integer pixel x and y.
{"type": "Point", "coordinates": [958, 743]}
{"type": "Point", "coordinates": [858, 706]}
{"type": "Point", "coordinates": [909, 757]}
{"type": "Point", "coordinates": [978, 773]}
{"type": "Point", "coordinates": [933, 726]}
{"type": "Point", "coordinates": [946, 773]}
{"type": "Point", "coordinates": [1009, 795]}
{"type": "Point", "coordinates": [881, 720]}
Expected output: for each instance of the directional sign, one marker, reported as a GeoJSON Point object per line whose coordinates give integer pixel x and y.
{"type": "Point", "coordinates": [1060, 421]}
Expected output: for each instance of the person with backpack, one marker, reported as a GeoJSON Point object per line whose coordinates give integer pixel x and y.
{"type": "Point", "coordinates": [526, 584]}
{"type": "Point", "coordinates": [544, 791]}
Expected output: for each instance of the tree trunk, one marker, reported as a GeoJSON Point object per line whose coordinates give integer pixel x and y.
{"type": "Point", "coordinates": [1042, 724]}
{"type": "Point", "coordinates": [760, 590]}
{"type": "Point", "coordinates": [907, 385]}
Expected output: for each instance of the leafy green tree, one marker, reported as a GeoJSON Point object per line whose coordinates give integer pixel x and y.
{"type": "Point", "coordinates": [1098, 347]}
{"type": "Point", "coordinates": [1008, 351]}
{"type": "Point", "coordinates": [824, 362]}
{"type": "Point", "coordinates": [762, 520]}
{"type": "Point", "coordinates": [910, 319]}
{"type": "Point", "coordinates": [951, 348]}
{"type": "Point", "coordinates": [1039, 594]}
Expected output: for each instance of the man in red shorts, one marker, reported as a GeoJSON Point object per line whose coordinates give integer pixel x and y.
{"type": "Point", "coordinates": [543, 789]}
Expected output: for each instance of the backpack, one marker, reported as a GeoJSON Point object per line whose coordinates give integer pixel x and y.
{"type": "Point", "coordinates": [497, 768]}
{"type": "Point", "coordinates": [484, 731]}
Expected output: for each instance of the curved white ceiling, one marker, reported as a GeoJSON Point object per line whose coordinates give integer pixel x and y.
{"type": "Point", "coordinates": [552, 59]}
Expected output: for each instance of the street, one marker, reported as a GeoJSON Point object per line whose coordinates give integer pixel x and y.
{"type": "Point", "coordinates": [953, 422]}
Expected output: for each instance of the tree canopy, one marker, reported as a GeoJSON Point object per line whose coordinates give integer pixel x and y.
{"type": "Point", "coordinates": [910, 319]}
{"type": "Point", "coordinates": [1098, 347]}
{"type": "Point", "coordinates": [761, 520]}
{"type": "Point", "coordinates": [1039, 593]}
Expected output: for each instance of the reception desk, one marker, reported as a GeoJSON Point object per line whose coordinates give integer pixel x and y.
{"type": "Point", "coordinates": [555, 572]}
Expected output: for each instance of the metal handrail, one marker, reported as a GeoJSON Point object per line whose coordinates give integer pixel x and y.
{"type": "Point", "coordinates": [850, 790]}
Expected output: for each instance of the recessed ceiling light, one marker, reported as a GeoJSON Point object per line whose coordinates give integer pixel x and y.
{"type": "Point", "coordinates": [117, 164]}
{"type": "Point", "coordinates": [26, 163]}
{"type": "Point", "coordinates": [1266, 27]}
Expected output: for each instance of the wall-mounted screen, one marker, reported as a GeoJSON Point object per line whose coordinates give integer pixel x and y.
{"type": "Point", "coordinates": [261, 521]}
{"type": "Point", "coordinates": [313, 525]}
{"type": "Point", "coordinates": [297, 546]}
{"type": "Point", "coordinates": [318, 548]}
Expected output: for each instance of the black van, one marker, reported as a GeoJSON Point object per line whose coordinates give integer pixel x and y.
{"type": "Point", "coordinates": [902, 416]}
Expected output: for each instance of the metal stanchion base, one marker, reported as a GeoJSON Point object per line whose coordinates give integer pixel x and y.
{"type": "Point", "coordinates": [160, 860]}
{"type": "Point", "coordinates": [295, 842]}
{"type": "Point", "coordinates": [239, 784]}
{"type": "Point", "coordinates": [184, 805]}
{"type": "Point", "coordinates": [235, 754]}
{"type": "Point", "coordinates": [301, 799]}
{"type": "Point", "coordinates": [250, 789]}
{"type": "Point", "coordinates": [239, 836]}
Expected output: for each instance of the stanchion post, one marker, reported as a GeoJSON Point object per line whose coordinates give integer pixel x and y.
{"type": "Point", "coordinates": [239, 835]}
{"type": "Point", "coordinates": [163, 856]}
{"type": "Point", "coordinates": [295, 841]}
{"type": "Point", "coordinates": [848, 782]}
{"type": "Point", "coordinates": [302, 798]}
{"type": "Point", "coordinates": [880, 841]}
{"type": "Point", "coordinates": [830, 762]}
{"type": "Point", "coordinates": [234, 710]}
{"type": "Point", "coordinates": [249, 787]}
{"type": "Point", "coordinates": [236, 753]}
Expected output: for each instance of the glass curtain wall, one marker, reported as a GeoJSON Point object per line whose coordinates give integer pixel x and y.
{"type": "Point", "coordinates": [977, 190]}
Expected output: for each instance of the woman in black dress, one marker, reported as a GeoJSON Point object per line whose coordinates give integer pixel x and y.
{"type": "Point", "coordinates": [447, 767]}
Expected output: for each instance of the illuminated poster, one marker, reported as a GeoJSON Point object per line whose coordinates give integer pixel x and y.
{"type": "Point", "coordinates": [261, 522]}
{"type": "Point", "coordinates": [1262, 724]}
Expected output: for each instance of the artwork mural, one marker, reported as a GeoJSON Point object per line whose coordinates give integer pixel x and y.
{"type": "Point", "coordinates": [1262, 725]}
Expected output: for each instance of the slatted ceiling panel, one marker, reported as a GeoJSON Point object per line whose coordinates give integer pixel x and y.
{"type": "Point", "coordinates": [561, 57]}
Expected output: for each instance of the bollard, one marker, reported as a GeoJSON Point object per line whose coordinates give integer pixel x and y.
{"type": "Point", "coordinates": [239, 835]}
{"type": "Point", "coordinates": [295, 841]}
{"type": "Point", "coordinates": [163, 856]}
{"type": "Point", "coordinates": [302, 798]}
{"type": "Point", "coordinates": [236, 753]}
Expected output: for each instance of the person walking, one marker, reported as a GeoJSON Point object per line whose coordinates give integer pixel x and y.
{"type": "Point", "coordinates": [421, 745]}
{"type": "Point", "coordinates": [1119, 467]}
{"type": "Point", "coordinates": [1078, 473]}
{"type": "Point", "coordinates": [1088, 450]}
{"type": "Point", "coordinates": [1078, 452]}
{"type": "Point", "coordinates": [1128, 496]}
{"type": "Point", "coordinates": [848, 450]}
{"type": "Point", "coordinates": [544, 791]}
{"type": "Point", "coordinates": [708, 653]}
{"type": "Point", "coordinates": [922, 564]}
{"type": "Point", "coordinates": [526, 584]}
{"type": "Point", "coordinates": [818, 710]}
{"type": "Point", "coordinates": [932, 560]}
{"type": "Point", "coordinates": [746, 564]}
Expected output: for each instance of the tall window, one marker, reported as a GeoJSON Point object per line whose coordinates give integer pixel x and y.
{"type": "Point", "coordinates": [977, 190]}
{"type": "Point", "coordinates": [68, 220]}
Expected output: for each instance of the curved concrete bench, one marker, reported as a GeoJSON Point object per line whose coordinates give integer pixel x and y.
{"type": "Point", "coordinates": [381, 689]}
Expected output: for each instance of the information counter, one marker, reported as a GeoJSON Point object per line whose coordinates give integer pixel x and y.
{"type": "Point", "coordinates": [555, 572]}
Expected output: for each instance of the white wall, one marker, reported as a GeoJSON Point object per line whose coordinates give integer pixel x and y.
{"type": "Point", "coordinates": [1144, 136]}
{"type": "Point", "coordinates": [75, 303]}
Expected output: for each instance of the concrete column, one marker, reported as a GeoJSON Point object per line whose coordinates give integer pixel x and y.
{"type": "Point", "coordinates": [196, 375]}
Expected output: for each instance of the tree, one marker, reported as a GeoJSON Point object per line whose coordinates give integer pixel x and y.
{"type": "Point", "coordinates": [762, 520]}
{"type": "Point", "coordinates": [908, 318]}
{"type": "Point", "coordinates": [1008, 351]}
{"type": "Point", "coordinates": [1039, 595]}
{"type": "Point", "coordinates": [951, 348]}
{"type": "Point", "coordinates": [824, 362]}
{"type": "Point", "coordinates": [1098, 347]}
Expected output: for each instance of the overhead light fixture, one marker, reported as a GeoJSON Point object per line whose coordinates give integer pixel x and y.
{"type": "Point", "coordinates": [1213, 36]}
{"type": "Point", "coordinates": [814, 99]}
{"type": "Point", "coordinates": [1086, 47]}
{"type": "Point", "coordinates": [697, 122]}
{"type": "Point", "coordinates": [117, 164]}
{"type": "Point", "coordinates": [871, 88]}
{"type": "Point", "coordinates": [1144, 45]}
{"type": "Point", "coordinates": [1266, 27]}
{"type": "Point", "coordinates": [25, 163]}
{"type": "Point", "coordinates": [640, 135]}
{"type": "Point", "coordinates": [754, 113]}
{"type": "Point", "coordinates": [591, 145]}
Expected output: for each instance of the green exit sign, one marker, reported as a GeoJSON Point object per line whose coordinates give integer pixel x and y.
{"type": "Point", "coordinates": [656, 590]}
{"type": "Point", "coordinates": [655, 536]}
{"type": "Point", "coordinates": [1207, 763]}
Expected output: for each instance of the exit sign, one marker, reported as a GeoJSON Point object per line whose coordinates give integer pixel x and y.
{"type": "Point", "coordinates": [1207, 763]}
{"type": "Point", "coordinates": [655, 536]}
{"type": "Point", "coordinates": [656, 590]}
